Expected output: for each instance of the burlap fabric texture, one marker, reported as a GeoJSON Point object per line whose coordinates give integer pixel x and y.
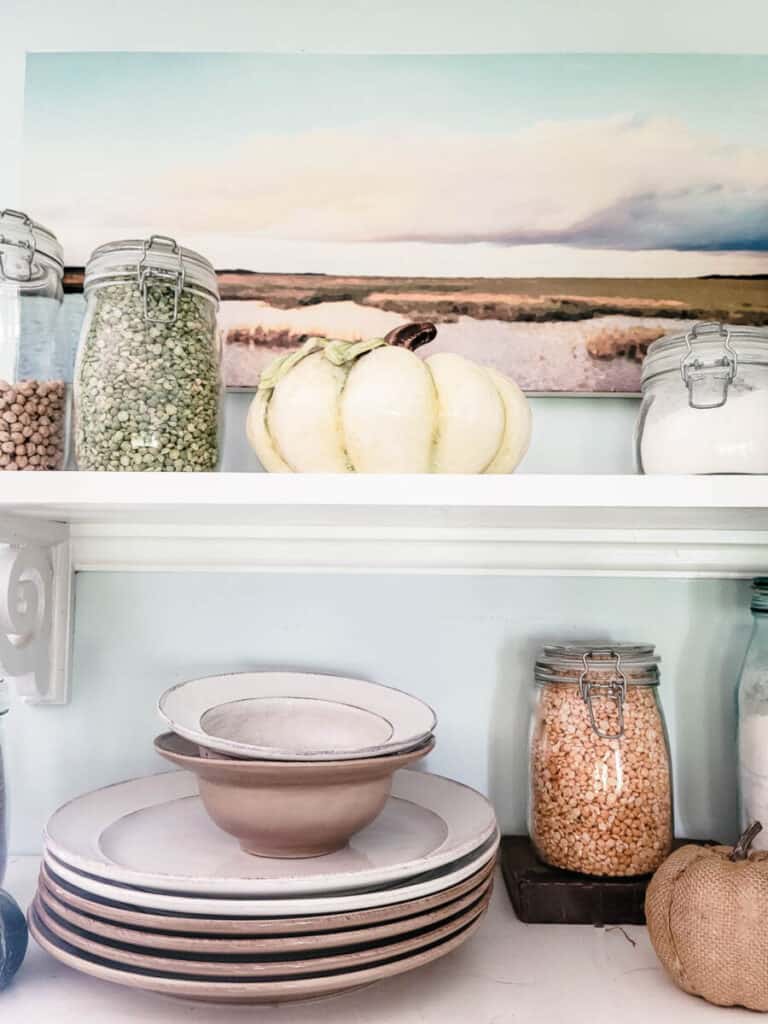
{"type": "Point", "coordinates": [707, 917]}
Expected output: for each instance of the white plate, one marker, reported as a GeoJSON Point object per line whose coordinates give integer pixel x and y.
{"type": "Point", "coordinates": [248, 992]}
{"type": "Point", "coordinates": [252, 967]}
{"type": "Point", "coordinates": [296, 716]}
{"type": "Point", "coordinates": [154, 833]}
{"type": "Point", "coordinates": [175, 903]}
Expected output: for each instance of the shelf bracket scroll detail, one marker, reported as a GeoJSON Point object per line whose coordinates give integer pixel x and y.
{"type": "Point", "coordinates": [36, 592]}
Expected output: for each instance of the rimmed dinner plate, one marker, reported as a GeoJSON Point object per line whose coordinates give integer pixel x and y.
{"type": "Point", "coordinates": [296, 716]}
{"type": "Point", "coordinates": [285, 945]}
{"type": "Point", "coordinates": [246, 992]}
{"type": "Point", "coordinates": [334, 903]}
{"type": "Point", "coordinates": [154, 833]}
{"type": "Point", "coordinates": [315, 926]}
{"type": "Point", "coordinates": [235, 966]}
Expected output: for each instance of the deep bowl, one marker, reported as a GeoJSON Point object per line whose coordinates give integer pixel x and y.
{"type": "Point", "coordinates": [289, 808]}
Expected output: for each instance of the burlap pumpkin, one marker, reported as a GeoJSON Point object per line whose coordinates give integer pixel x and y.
{"type": "Point", "coordinates": [707, 909]}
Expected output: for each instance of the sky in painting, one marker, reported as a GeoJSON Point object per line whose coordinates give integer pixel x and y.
{"type": "Point", "coordinates": [500, 165]}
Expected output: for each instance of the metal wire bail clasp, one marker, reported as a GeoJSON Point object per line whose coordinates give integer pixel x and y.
{"type": "Point", "coordinates": [150, 267]}
{"type": "Point", "coordinates": [28, 245]}
{"type": "Point", "coordinates": [694, 370]}
{"type": "Point", "coordinates": [615, 689]}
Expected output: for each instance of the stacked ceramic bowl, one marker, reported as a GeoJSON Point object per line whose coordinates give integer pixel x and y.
{"type": "Point", "coordinates": [154, 883]}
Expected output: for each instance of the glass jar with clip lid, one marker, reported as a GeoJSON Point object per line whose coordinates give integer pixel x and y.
{"type": "Point", "coordinates": [705, 402]}
{"type": "Point", "coordinates": [600, 782]}
{"type": "Point", "coordinates": [33, 398]}
{"type": "Point", "coordinates": [147, 382]}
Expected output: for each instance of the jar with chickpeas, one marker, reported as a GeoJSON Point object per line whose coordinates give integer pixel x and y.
{"type": "Point", "coordinates": [33, 393]}
{"type": "Point", "coordinates": [600, 779]}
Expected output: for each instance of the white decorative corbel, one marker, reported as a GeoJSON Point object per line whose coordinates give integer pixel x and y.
{"type": "Point", "coordinates": [36, 590]}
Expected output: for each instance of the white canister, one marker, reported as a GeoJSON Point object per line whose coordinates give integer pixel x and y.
{"type": "Point", "coordinates": [705, 402]}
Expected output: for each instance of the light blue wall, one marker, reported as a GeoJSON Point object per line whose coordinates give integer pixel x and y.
{"type": "Point", "coordinates": [464, 644]}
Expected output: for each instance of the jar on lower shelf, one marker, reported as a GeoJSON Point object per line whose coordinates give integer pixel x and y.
{"type": "Point", "coordinates": [753, 720]}
{"type": "Point", "coordinates": [600, 780]}
{"type": "Point", "coordinates": [147, 385]}
{"type": "Point", "coordinates": [3, 803]}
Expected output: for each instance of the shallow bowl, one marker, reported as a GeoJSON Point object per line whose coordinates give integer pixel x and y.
{"type": "Point", "coordinates": [286, 808]}
{"type": "Point", "coordinates": [296, 716]}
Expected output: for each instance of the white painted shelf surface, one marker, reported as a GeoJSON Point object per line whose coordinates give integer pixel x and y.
{"type": "Point", "coordinates": [595, 525]}
{"type": "Point", "coordinates": [506, 973]}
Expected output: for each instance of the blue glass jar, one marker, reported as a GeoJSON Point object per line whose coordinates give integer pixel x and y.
{"type": "Point", "coordinates": [753, 719]}
{"type": "Point", "coordinates": [3, 803]}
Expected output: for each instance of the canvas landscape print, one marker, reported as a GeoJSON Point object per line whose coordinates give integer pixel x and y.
{"type": "Point", "coordinates": [553, 214]}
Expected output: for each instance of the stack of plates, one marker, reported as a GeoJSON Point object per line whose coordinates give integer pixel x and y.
{"type": "Point", "coordinates": [139, 887]}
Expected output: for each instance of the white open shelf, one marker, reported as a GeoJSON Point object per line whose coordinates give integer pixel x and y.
{"type": "Point", "coordinates": [592, 525]}
{"type": "Point", "coordinates": [507, 972]}
{"type": "Point", "coordinates": [517, 524]}
{"type": "Point", "coordinates": [257, 522]}
{"type": "Point", "coordinates": [473, 500]}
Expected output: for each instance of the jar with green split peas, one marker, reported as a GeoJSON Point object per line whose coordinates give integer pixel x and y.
{"type": "Point", "coordinates": [33, 394]}
{"type": "Point", "coordinates": [147, 389]}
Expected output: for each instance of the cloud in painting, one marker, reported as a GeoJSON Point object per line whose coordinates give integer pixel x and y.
{"type": "Point", "coordinates": [705, 219]}
{"type": "Point", "coordinates": [619, 183]}
{"type": "Point", "coordinates": [708, 219]}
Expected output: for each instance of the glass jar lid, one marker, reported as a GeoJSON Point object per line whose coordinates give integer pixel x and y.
{"type": "Point", "coordinates": [569, 662]}
{"type": "Point", "coordinates": [706, 358]}
{"type": "Point", "coordinates": [155, 261]}
{"type": "Point", "coordinates": [22, 240]}
{"type": "Point", "coordinates": [706, 345]}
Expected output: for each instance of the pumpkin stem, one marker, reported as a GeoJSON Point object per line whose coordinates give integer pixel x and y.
{"type": "Point", "coordinates": [411, 336]}
{"type": "Point", "coordinates": [741, 849]}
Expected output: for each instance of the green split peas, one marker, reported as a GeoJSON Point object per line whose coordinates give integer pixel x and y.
{"type": "Point", "coordinates": [146, 393]}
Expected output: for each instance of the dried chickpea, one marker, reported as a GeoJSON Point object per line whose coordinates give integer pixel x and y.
{"type": "Point", "coordinates": [32, 425]}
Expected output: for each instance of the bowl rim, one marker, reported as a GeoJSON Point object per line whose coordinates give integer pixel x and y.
{"type": "Point", "coordinates": [195, 761]}
{"type": "Point", "coordinates": [193, 731]}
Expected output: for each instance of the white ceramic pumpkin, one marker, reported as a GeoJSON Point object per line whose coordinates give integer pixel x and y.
{"type": "Point", "coordinates": [376, 407]}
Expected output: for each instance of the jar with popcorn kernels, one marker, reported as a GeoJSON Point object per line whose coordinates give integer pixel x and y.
{"type": "Point", "coordinates": [600, 779]}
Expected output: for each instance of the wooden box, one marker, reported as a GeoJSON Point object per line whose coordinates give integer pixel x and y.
{"type": "Point", "coordinates": [542, 894]}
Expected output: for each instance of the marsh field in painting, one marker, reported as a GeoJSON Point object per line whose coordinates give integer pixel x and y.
{"type": "Point", "coordinates": [553, 214]}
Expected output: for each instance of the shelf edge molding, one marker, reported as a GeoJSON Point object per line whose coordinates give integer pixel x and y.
{"type": "Point", "coordinates": [462, 550]}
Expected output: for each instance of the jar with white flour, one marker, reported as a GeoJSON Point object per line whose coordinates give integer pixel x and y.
{"type": "Point", "coordinates": [705, 402]}
{"type": "Point", "coordinates": [753, 719]}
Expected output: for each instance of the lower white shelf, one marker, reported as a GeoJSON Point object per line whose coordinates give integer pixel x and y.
{"type": "Point", "coordinates": [508, 972]}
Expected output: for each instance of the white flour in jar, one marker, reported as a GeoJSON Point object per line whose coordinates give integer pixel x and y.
{"type": "Point", "coordinates": [731, 439]}
{"type": "Point", "coordinates": [753, 773]}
